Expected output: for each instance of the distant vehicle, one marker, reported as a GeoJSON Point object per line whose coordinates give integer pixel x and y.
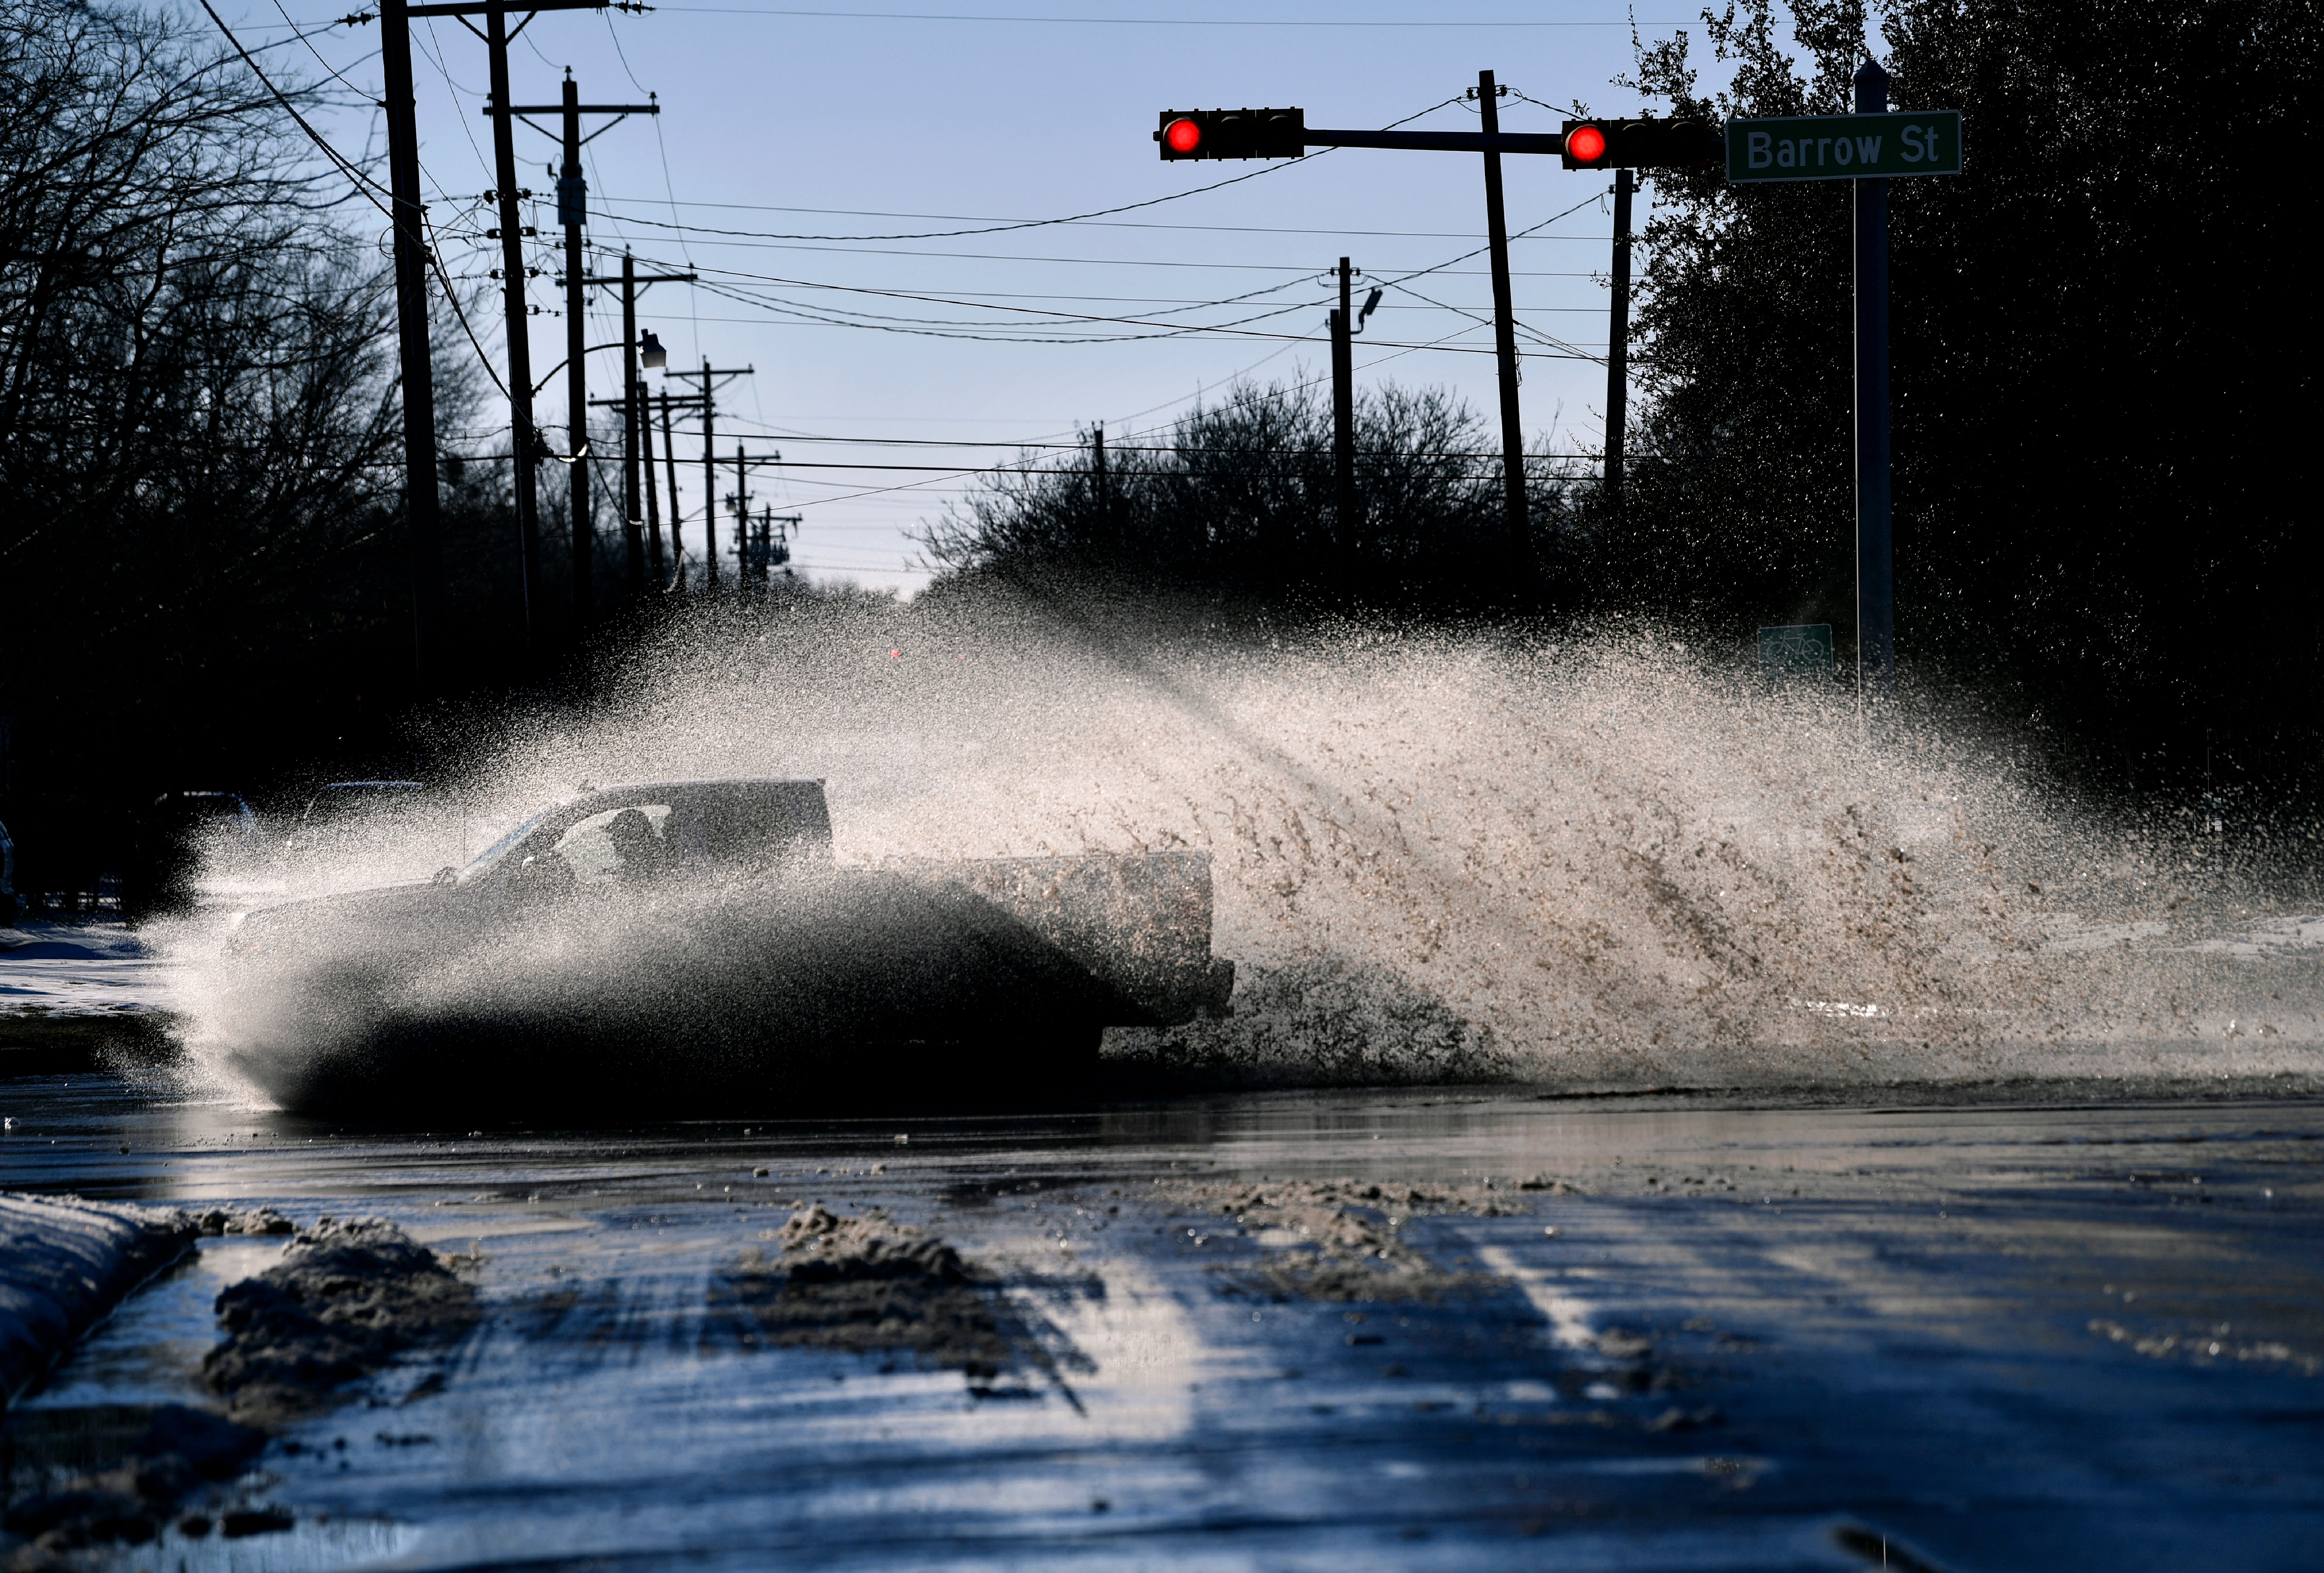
{"type": "Point", "coordinates": [692, 944]}
{"type": "Point", "coordinates": [355, 833]}
{"type": "Point", "coordinates": [12, 905]}
{"type": "Point", "coordinates": [181, 838]}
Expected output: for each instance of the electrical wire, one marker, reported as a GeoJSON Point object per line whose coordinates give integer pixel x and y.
{"type": "Point", "coordinates": [1126, 21]}
{"type": "Point", "coordinates": [1269, 169]}
{"type": "Point", "coordinates": [935, 328]}
{"type": "Point", "coordinates": [313, 135]}
{"type": "Point", "coordinates": [615, 34]}
{"type": "Point", "coordinates": [1093, 224]}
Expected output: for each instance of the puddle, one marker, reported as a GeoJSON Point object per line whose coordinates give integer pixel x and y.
{"type": "Point", "coordinates": [151, 1349]}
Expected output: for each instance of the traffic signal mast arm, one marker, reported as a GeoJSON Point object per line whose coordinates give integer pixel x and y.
{"type": "Point", "coordinates": [1585, 145]}
{"type": "Point", "coordinates": [1446, 141]}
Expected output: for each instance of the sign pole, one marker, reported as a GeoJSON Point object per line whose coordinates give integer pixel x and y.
{"type": "Point", "coordinates": [1618, 347]}
{"type": "Point", "coordinates": [1875, 591]}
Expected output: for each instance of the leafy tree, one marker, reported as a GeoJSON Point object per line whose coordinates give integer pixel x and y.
{"type": "Point", "coordinates": [2103, 359]}
{"type": "Point", "coordinates": [199, 441]}
{"type": "Point", "coordinates": [1240, 496]}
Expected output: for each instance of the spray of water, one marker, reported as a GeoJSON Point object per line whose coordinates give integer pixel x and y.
{"type": "Point", "coordinates": [1600, 859]}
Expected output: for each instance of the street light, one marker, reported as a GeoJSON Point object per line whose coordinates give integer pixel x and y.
{"type": "Point", "coordinates": [650, 354]}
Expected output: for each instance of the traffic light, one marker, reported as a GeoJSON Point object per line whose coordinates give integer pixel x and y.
{"type": "Point", "coordinates": [1642, 144]}
{"type": "Point", "coordinates": [1232, 133]}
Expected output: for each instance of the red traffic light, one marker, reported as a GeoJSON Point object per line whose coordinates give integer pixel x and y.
{"type": "Point", "coordinates": [1645, 143]}
{"type": "Point", "coordinates": [1231, 133]}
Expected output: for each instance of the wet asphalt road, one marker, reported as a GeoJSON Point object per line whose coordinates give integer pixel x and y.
{"type": "Point", "coordinates": [2077, 1335]}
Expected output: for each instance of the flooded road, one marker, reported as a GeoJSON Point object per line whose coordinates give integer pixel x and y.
{"type": "Point", "coordinates": [1419, 1328]}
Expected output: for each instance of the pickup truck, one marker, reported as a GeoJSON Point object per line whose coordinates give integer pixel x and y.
{"type": "Point", "coordinates": [693, 946]}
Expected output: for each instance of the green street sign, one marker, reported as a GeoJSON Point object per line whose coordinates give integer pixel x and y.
{"type": "Point", "coordinates": [1844, 147]}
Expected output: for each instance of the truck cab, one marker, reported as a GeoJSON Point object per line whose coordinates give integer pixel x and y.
{"type": "Point", "coordinates": [613, 839]}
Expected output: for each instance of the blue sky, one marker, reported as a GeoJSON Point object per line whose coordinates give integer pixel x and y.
{"type": "Point", "coordinates": [856, 121]}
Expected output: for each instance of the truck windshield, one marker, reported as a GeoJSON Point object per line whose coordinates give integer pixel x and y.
{"type": "Point", "coordinates": [484, 859]}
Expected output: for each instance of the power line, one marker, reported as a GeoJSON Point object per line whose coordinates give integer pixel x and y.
{"type": "Point", "coordinates": [1129, 21]}
{"type": "Point", "coordinates": [943, 328]}
{"type": "Point", "coordinates": [1093, 224]}
{"type": "Point", "coordinates": [1041, 223]}
{"type": "Point", "coordinates": [362, 181]}
{"type": "Point", "coordinates": [1113, 447]}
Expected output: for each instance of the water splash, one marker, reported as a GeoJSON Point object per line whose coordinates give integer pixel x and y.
{"type": "Point", "coordinates": [1604, 859]}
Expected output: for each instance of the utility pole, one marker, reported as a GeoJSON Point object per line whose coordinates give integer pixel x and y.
{"type": "Point", "coordinates": [1343, 417]}
{"type": "Point", "coordinates": [1617, 347]}
{"type": "Point", "coordinates": [741, 501]}
{"type": "Point", "coordinates": [631, 534]}
{"type": "Point", "coordinates": [710, 375]}
{"type": "Point", "coordinates": [1104, 490]}
{"type": "Point", "coordinates": [1876, 591]}
{"type": "Point", "coordinates": [420, 493]}
{"type": "Point", "coordinates": [524, 446]}
{"type": "Point", "coordinates": [1505, 337]}
{"type": "Point", "coordinates": [709, 487]}
{"type": "Point", "coordinates": [635, 419]}
{"type": "Point", "coordinates": [641, 423]}
{"type": "Point", "coordinates": [669, 457]}
{"type": "Point", "coordinates": [572, 212]}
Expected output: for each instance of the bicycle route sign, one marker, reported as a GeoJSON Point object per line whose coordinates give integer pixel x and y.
{"type": "Point", "coordinates": [1844, 147]}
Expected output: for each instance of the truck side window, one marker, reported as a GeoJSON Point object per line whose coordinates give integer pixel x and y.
{"type": "Point", "coordinates": [621, 847]}
{"type": "Point", "coordinates": [748, 829]}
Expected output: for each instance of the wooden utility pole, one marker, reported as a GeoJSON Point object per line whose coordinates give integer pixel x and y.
{"type": "Point", "coordinates": [420, 481]}
{"type": "Point", "coordinates": [741, 501]}
{"type": "Point", "coordinates": [633, 528]}
{"type": "Point", "coordinates": [1105, 488]}
{"type": "Point", "coordinates": [524, 444]}
{"type": "Point", "coordinates": [709, 487]}
{"type": "Point", "coordinates": [634, 419]}
{"type": "Point", "coordinates": [572, 213]}
{"type": "Point", "coordinates": [642, 422]}
{"type": "Point", "coordinates": [1617, 347]}
{"type": "Point", "coordinates": [710, 376]}
{"type": "Point", "coordinates": [1505, 338]}
{"type": "Point", "coordinates": [669, 457]}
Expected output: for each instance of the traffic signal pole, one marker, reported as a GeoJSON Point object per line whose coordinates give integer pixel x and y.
{"type": "Point", "coordinates": [1505, 337]}
{"type": "Point", "coordinates": [1875, 590]}
{"type": "Point", "coordinates": [420, 486]}
{"type": "Point", "coordinates": [1640, 143]}
{"type": "Point", "coordinates": [1343, 419]}
{"type": "Point", "coordinates": [1618, 347]}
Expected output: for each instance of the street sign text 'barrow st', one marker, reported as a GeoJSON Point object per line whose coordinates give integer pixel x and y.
{"type": "Point", "coordinates": [1844, 147]}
